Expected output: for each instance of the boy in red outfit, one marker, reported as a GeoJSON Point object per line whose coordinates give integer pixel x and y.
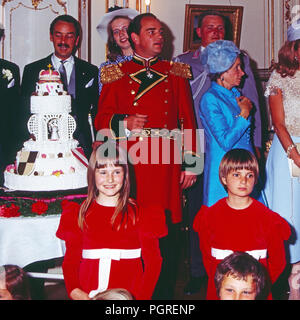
{"type": "Point", "coordinates": [239, 222]}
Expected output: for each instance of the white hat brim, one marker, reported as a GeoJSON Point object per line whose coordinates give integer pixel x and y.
{"type": "Point", "coordinates": [103, 23]}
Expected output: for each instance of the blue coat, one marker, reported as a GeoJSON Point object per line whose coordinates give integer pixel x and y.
{"type": "Point", "coordinates": [223, 131]}
{"type": "Point", "coordinates": [248, 88]}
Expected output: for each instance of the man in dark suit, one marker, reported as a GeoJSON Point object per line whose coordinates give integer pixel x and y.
{"type": "Point", "coordinates": [9, 97]}
{"type": "Point", "coordinates": [80, 77]}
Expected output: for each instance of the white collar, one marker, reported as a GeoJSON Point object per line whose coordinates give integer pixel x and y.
{"type": "Point", "coordinates": [57, 60]}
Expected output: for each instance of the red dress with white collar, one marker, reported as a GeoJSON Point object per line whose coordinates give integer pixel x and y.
{"type": "Point", "coordinates": [136, 274]}
{"type": "Point", "coordinates": [256, 229]}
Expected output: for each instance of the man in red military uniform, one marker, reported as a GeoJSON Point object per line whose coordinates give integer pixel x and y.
{"type": "Point", "coordinates": [143, 104]}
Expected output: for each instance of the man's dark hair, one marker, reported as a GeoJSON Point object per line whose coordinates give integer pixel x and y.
{"type": "Point", "coordinates": [240, 265]}
{"type": "Point", "coordinates": [135, 25]}
{"type": "Point", "coordinates": [69, 19]}
{"type": "Point", "coordinates": [209, 13]}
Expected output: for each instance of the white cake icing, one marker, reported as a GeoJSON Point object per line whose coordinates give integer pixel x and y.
{"type": "Point", "coordinates": [46, 183]}
{"type": "Point", "coordinates": [50, 103]}
{"type": "Point", "coordinates": [51, 159]}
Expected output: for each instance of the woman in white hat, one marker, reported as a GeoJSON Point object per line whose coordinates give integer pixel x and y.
{"type": "Point", "coordinates": [113, 29]}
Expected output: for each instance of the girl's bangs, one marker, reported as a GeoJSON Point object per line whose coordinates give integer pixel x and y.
{"type": "Point", "coordinates": [107, 162]}
{"type": "Point", "coordinates": [110, 156]}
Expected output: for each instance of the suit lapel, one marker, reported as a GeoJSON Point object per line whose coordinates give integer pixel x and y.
{"type": "Point", "coordinates": [82, 75]}
{"type": "Point", "coordinates": [78, 75]}
{"type": "Point", "coordinates": [47, 61]}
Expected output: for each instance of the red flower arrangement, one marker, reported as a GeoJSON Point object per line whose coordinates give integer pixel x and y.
{"type": "Point", "coordinates": [26, 207]}
{"type": "Point", "coordinates": [9, 212]}
{"type": "Point", "coordinates": [39, 207]}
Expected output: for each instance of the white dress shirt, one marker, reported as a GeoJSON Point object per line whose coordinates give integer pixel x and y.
{"type": "Point", "coordinates": [69, 63]}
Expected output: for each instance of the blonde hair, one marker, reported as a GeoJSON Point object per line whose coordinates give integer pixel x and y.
{"type": "Point", "coordinates": [288, 63]}
{"type": "Point", "coordinates": [238, 159]}
{"type": "Point", "coordinates": [109, 153]}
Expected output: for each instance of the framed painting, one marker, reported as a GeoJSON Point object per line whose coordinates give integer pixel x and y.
{"type": "Point", "coordinates": [134, 4]}
{"type": "Point", "coordinates": [233, 23]}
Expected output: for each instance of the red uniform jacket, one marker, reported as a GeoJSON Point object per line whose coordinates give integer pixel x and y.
{"type": "Point", "coordinates": [138, 276]}
{"type": "Point", "coordinates": [253, 228]}
{"type": "Point", "coordinates": [166, 98]}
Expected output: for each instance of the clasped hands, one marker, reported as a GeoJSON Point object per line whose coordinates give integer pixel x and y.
{"type": "Point", "coordinates": [245, 105]}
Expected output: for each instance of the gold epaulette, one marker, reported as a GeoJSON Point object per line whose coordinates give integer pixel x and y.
{"type": "Point", "coordinates": [111, 73]}
{"type": "Point", "coordinates": [181, 69]}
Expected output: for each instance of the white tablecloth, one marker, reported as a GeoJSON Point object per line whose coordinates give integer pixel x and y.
{"type": "Point", "coordinates": [25, 240]}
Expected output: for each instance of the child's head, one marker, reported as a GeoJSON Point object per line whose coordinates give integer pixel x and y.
{"type": "Point", "coordinates": [114, 294]}
{"type": "Point", "coordinates": [14, 283]}
{"type": "Point", "coordinates": [108, 161]}
{"type": "Point", "coordinates": [240, 277]}
{"type": "Point", "coordinates": [108, 155]}
{"type": "Point", "coordinates": [238, 160]}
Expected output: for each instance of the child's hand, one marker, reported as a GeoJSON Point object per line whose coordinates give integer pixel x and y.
{"type": "Point", "coordinates": [187, 179]}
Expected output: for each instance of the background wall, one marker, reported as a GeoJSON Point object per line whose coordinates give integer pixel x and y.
{"type": "Point", "coordinates": [263, 27]}
{"type": "Point", "coordinates": [255, 32]}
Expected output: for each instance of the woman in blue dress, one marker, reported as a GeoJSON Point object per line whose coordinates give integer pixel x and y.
{"type": "Point", "coordinates": [113, 29]}
{"type": "Point", "coordinates": [283, 190]}
{"type": "Point", "coordinates": [225, 114]}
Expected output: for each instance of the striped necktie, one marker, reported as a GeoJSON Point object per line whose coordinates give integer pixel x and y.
{"type": "Point", "coordinates": [63, 74]}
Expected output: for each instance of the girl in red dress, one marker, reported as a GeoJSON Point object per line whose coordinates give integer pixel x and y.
{"type": "Point", "coordinates": [239, 222]}
{"type": "Point", "coordinates": [110, 243]}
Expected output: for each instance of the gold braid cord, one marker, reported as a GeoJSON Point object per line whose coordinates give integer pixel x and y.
{"type": "Point", "coordinates": [181, 70]}
{"type": "Point", "coordinates": [110, 73]}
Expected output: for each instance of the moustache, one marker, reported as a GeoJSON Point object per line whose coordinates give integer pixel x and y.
{"type": "Point", "coordinates": [63, 45]}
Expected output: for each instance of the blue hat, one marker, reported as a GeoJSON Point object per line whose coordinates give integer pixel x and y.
{"type": "Point", "coordinates": [219, 56]}
{"type": "Point", "coordinates": [293, 32]}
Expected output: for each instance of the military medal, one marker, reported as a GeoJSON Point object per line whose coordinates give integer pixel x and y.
{"type": "Point", "coordinates": [149, 75]}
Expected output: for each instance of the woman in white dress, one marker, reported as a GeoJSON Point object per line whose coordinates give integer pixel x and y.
{"type": "Point", "coordinates": [282, 190]}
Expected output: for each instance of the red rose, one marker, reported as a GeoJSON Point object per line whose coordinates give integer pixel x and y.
{"type": "Point", "coordinates": [9, 212]}
{"type": "Point", "coordinates": [39, 207]}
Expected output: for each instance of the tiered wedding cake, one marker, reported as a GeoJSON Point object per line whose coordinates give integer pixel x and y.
{"type": "Point", "coordinates": [51, 159]}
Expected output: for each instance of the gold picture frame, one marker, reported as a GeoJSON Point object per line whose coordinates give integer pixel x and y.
{"type": "Point", "coordinates": [124, 4]}
{"type": "Point", "coordinates": [233, 25]}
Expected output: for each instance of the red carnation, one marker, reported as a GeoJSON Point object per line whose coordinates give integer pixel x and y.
{"type": "Point", "coordinates": [39, 207]}
{"type": "Point", "coordinates": [9, 212]}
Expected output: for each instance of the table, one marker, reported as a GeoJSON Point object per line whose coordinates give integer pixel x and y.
{"type": "Point", "coordinates": [24, 240]}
